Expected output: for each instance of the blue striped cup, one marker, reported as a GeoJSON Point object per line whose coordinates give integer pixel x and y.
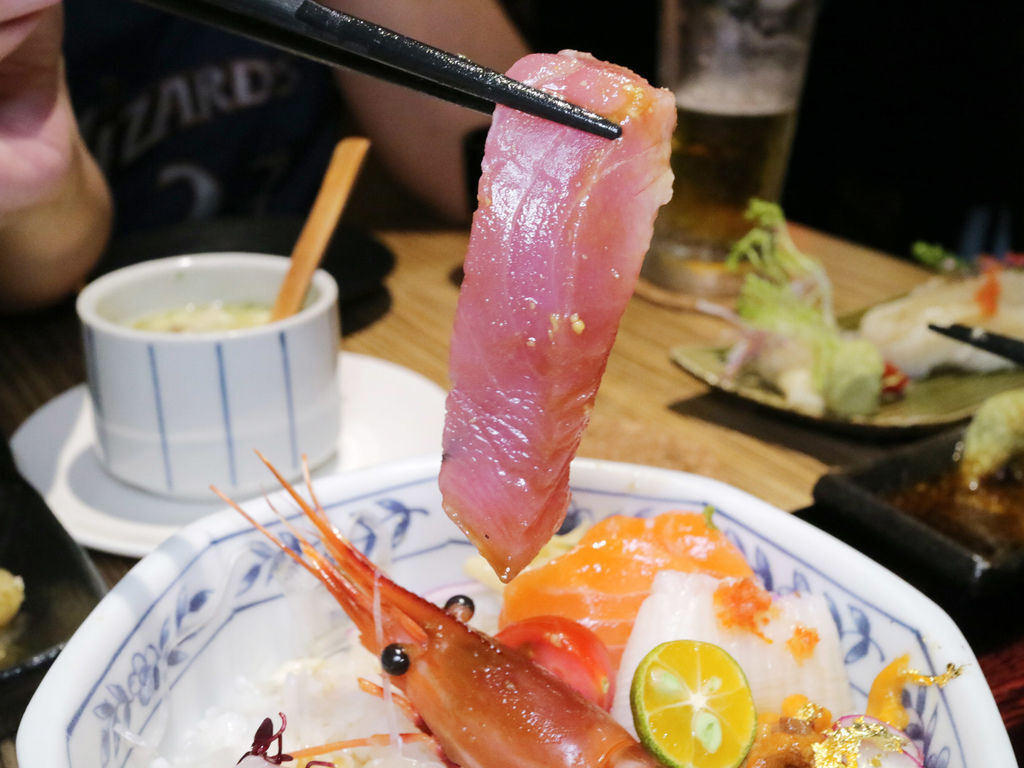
{"type": "Point", "coordinates": [176, 412]}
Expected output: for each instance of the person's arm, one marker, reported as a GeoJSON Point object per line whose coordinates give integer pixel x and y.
{"type": "Point", "coordinates": [55, 208]}
{"type": "Point", "coordinates": [420, 138]}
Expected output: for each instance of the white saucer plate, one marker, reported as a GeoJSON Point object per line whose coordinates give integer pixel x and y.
{"type": "Point", "coordinates": [387, 412]}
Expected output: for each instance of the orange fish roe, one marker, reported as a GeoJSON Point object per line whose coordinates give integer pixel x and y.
{"type": "Point", "coordinates": [802, 642]}
{"type": "Point", "coordinates": [602, 581]}
{"type": "Point", "coordinates": [744, 605]}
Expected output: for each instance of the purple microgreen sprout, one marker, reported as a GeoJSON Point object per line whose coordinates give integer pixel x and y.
{"type": "Point", "coordinates": [264, 740]}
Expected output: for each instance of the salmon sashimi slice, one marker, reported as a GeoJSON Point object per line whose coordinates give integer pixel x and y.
{"type": "Point", "coordinates": [563, 221]}
{"type": "Point", "coordinates": [602, 581]}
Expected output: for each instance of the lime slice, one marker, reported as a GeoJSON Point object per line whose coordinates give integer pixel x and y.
{"type": "Point", "coordinates": [692, 706]}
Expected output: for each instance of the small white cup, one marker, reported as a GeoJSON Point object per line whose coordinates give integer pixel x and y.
{"type": "Point", "coordinates": [177, 412]}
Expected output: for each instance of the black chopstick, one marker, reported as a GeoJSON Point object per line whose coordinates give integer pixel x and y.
{"type": "Point", "coordinates": [1004, 346]}
{"type": "Point", "coordinates": [312, 30]}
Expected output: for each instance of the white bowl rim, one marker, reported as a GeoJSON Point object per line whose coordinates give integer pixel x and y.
{"type": "Point", "coordinates": [95, 291]}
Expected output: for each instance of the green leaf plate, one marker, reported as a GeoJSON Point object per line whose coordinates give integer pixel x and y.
{"type": "Point", "coordinates": [930, 404]}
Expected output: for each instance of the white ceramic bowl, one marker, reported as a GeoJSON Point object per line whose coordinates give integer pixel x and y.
{"type": "Point", "coordinates": [176, 412]}
{"type": "Point", "coordinates": [167, 641]}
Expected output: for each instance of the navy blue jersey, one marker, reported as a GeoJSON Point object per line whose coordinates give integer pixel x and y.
{"type": "Point", "coordinates": [191, 122]}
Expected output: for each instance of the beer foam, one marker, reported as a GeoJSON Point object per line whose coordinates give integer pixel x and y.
{"type": "Point", "coordinates": [754, 94]}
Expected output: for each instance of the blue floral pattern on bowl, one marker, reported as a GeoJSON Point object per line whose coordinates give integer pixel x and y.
{"type": "Point", "coordinates": [228, 582]}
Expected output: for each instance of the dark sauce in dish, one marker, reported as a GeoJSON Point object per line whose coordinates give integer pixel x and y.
{"type": "Point", "coordinates": [988, 519]}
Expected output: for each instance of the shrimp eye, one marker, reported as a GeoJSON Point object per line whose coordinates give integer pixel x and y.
{"type": "Point", "coordinates": [460, 607]}
{"type": "Point", "coordinates": [395, 660]}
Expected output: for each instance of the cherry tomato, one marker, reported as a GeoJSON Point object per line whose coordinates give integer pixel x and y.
{"type": "Point", "coordinates": [567, 649]}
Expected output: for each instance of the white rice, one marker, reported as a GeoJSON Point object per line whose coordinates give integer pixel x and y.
{"type": "Point", "coordinates": [323, 703]}
{"type": "Point", "coordinates": [318, 693]}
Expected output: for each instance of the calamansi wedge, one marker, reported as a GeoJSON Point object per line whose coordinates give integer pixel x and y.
{"type": "Point", "coordinates": [692, 706]}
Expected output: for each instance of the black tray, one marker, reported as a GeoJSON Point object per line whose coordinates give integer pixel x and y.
{"type": "Point", "coordinates": [911, 546]}
{"type": "Point", "coordinates": [61, 587]}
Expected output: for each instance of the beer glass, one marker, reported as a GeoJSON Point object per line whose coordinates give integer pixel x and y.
{"type": "Point", "coordinates": [736, 68]}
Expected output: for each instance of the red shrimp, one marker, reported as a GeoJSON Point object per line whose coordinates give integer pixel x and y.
{"type": "Point", "coordinates": [487, 705]}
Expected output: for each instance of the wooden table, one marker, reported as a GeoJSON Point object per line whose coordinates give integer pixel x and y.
{"type": "Point", "coordinates": [648, 411]}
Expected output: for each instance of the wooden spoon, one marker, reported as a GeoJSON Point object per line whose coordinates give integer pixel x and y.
{"type": "Point", "coordinates": [316, 232]}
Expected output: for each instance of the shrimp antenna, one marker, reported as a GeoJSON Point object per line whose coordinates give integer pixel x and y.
{"type": "Point", "coordinates": [264, 530]}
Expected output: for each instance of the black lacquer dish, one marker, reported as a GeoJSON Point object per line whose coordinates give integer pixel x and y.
{"type": "Point", "coordinates": [61, 587]}
{"type": "Point", "coordinates": [906, 510]}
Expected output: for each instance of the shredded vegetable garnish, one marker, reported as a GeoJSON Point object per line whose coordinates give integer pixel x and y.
{"type": "Point", "coordinates": [770, 250]}
{"type": "Point", "coordinates": [792, 340]}
{"type": "Point", "coordinates": [376, 740]}
{"type": "Point", "coordinates": [709, 513]}
{"type": "Point", "coordinates": [936, 257]}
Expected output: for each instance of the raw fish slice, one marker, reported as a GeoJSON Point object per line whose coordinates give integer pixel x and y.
{"type": "Point", "coordinates": [899, 328]}
{"type": "Point", "coordinates": [603, 580]}
{"type": "Point", "coordinates": [563, 222]}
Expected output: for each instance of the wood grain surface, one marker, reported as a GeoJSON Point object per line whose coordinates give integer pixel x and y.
{"type": "Point", "coordinates": [648, 411]}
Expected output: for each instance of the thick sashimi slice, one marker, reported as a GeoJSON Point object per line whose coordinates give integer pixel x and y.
{"type": "Point", "coordinates": [602, 581]}
{"type": "Point", "coordinates": [563, 222]}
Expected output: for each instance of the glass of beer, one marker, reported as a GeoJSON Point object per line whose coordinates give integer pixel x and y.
{"type": "Point", "coordinates": [736, 68]}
